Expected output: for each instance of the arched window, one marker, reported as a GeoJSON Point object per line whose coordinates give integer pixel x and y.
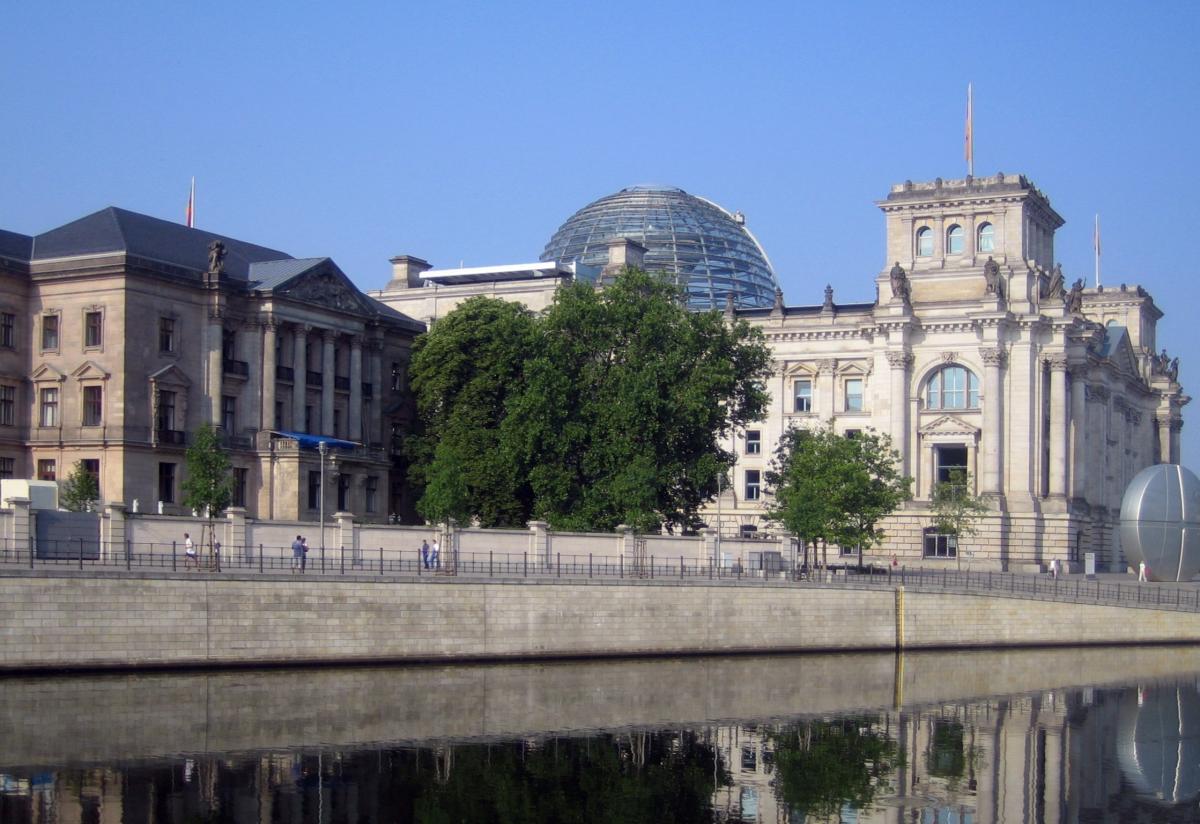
{"type": "Point", "coordinates": [925, 242]}
{"type": "Point", "coordinates": [952, 387]}
{"type": "Point", "coordinates": [987, 238]}
{"type": "Point", "coordinates": [954, 240]}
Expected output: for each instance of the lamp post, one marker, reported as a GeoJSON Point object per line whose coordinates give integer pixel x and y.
{"type": "Point", "coordinates": [323, 450]}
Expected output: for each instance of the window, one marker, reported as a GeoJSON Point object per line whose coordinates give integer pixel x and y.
{"type": "Point", "coordinates": [49, 332]}
{"type": "Point", "coordinates": [854, 395]}
{"type": "Point", "coordinates": [314, 489]}
{"type": "Point", "coordinates": [228, 345]}
{"type": "Point", "coordinates": [372, 493]}
{"type": "Point", "coordinates": [938, 545]}
{"type": "Point", "coordinates": [8, 330]}
{"type": "Point", "coordinates": [8, 405]}
{"type": "Point", "coordinates": [166, 334]}
{"type": "Point", "coordinates": [8, 468]}
{"type": "Point", "coordinates": [950, 460]}
{"type": "Point", "coordinates": [93, 329]}
{"type": "Point", "coordinates": [92, 467]}
{"type": "Point", "coordinates": [753, 442]}
{"type": "Point", "coordinates": [47, 469]}
{"type": "Point", "coordinates": [987, 238]}
{"type": "Point", "coordinates": [228, 413]}
{"type": "Point", "coordinates": [753, 484]}
{"type": "Point", "coordinates": [952, 387]}
{"type": "Point", "coordinates": [93, 405]}
{"type": "Point", "coordinates": [851, 434]}
{"type": "Point", "coordinates": [397, 377]}
{"type": "Point", "coordinates": [954, 240]}
{"type": "Point", "coordinates": [239, 486]}
{"type": "Point", "coordinates": [308, 419]}
{"type": "Point", "coordinates": [166, 411]}
{"type": "Point", "coordinates": [343, 492]}
{"type": "Point", "coordinates": [49, 407]}
{"type": "Point", "coordinates": [166, 483]}
{"type": "Point", "coordinates": [802, 393]}
{"type": "Point", "coordinates": [925, 242]}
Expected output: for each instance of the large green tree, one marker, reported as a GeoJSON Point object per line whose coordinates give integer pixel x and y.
{"type": "Point", "coordinates": [208, 487]}
{"type": "Point", "coordinates": [804, 468]}
{"type": "Point", "coordinates": [607, 409]}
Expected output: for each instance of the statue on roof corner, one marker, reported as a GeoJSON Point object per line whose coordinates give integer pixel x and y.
{"type": "Point", "coordinates": [1054, 289]}
{"type": "Point", "coordinates": [900, 287]}
{"type": "Point", "coordinates": [216, 258]}
{"type": "Point", "coordinates": [991, 277]}
{"type": "Point", "coordinates": [778, 299]}
{"type": "Point", "coordinates": [828, 304]}
{"type": "Point", "coordinates": [1074, 299]}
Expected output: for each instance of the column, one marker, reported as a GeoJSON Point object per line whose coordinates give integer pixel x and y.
{"type": "Point", "coordinates": [900, 361]}
{"type": "Point", "coordinates": [375, 426]}
{"type": "Point", "coordinates": [328, 371]}
{"type": "Point", "coordinates": [213, 384]}
{"type": "Point", "coordinates": [993, 419]}
{"type": "Point", "coordinates": [299, 376]}
{"type": "Point", "coordinates": [1078, 373]}
{"type": "Point", "coordinates": [824, 401]}
{"type": "Point", "coordinates": [356, 382]}
{"type": "Point", "coordinates": [1163, 422]}
{"type": "Point", "coordinates": [1058, 424]}
{"type": "Point", "coordinates": [252, 394]}
{"type": "Point", "coordinates": [267, 417]}
{"type": "Point", "coordinates": [1176, 428]}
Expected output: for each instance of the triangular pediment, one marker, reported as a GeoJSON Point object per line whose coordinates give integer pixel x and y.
{"type": "Point", "coordinates": [172, 375]}
{"type": "Point", "coordinates": [326, 286]}
{"type": "Point", "coordinates": [799, 369]}
{"type": "Point", "coordinates": [854, 368]}
{"type": "Point", "coordinates": [46, 372]}
{"type": "Point", "coordinates": [90, 370]}
{"type": "Point", "coordinates": [1123, 358]}
{"type": "Point", "coordinates": [949, 426]}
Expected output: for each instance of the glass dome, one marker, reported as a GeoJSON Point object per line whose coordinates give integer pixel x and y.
{"type": "Point", "coordinates": [709, 251]}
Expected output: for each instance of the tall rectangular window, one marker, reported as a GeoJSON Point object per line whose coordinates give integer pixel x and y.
{"type": "Point", "coordinates": [228, 412]}
{"type": "Point", "coordinates": [753, 484]}
{"type": "Point", "coordinates": [8, 405]}
{"type": "Point", "coordinates": [314, 489]}
{"type": "Point", "coordinates": [8, 468]}
{"type": "Point", "coordinates": [240, 475]}
{"type": "Point", "coordinates": [372, 493]}
{"type": "Point", "coordinates": [802, 393]}
{"type": "Point", "coordinates": [93, 329]}
{"type": "Point", "coordinates": [48, 412]}
{"type": "Point", "coordinates": [93, 405]}
{"type": "Point", "coordinates": [229, 345]}
{"type": "Point", "coordinates": [166, 411]}
{"type": "Point", "coordinates": [166, 482]}
{"type": "Point", "coordinates": [8, 330]}
{"type": "Point", "coordinates": [166, 334]}
{"type": "Point", "coordinates": [49, 332]}
{"type": "Point", "coordinates": [343, 482]}
{"type": "Point", "coordinates": [854, 395]}
{"type": "Point", "coordinates": [92, 467]}
{"type": "Point", "coordinates": [753, 442]}
{"type": "Point", "coordinates": [47, 469]}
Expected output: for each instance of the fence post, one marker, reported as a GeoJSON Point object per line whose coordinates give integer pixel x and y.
{"type": "Point", "coordinates": [589, 565]}
{"type": "Point", "coordinates": [558, 565]}
{"type": "Point", "coordinates": [680, 566]}
{"type": "Point", "coordinates": [260, 557]}
{"type": "Point", "coordinates": [621, 567]}
{"type": "Point", "coordinates": [81, 553]}
{"type": "Point", "coordinates": [491, 564]}
{"type": "Point", "coordinates": [174, 565]}
{"type": "Point", "coordinates": [525, 559]}
{"type": "Point", "coordinates": [322, 560]}
{"type": "Point", "coordinates": [381, 561]}
{"type": "Point", "coordinates": [420, 562]}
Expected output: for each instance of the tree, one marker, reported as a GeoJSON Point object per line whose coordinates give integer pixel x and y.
{"type": "Point", "coordinates": [956, 510]}
{"type": "Point", "coordinates": [824, 766]}
{"type": "Point", "coordinates": [208, 487]}
{"type": "Point", "coordinates": [79, 490]}
{"type": "Point", "coordinates": [833, 488]}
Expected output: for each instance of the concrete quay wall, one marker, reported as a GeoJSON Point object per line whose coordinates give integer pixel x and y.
{"type": "Point", "coordinates": [61, 620]}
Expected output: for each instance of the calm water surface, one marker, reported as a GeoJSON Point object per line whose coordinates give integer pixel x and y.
{"type": "Point", "coordinates": [1046, 736]}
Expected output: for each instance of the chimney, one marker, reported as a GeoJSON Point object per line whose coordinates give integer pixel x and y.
{"type": "Point", "coordinates": [623, 252]}
{"type": "Point", "coordinates": [406, 273]}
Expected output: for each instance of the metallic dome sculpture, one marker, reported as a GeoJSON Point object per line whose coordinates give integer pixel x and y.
{"type": "Point", "coordinates": [708, 250]}
{"type": "Point", "coordinates": [1160, 522]}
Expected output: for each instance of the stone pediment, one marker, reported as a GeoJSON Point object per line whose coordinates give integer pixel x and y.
{"type": "Point", "coordinates": [852, 368]}
{"type": "Point", "coordinates": [950, 428]}
{"type": "Point", "coordinates": [171, 374]}
{"type": "Point", "coordinates": [46, 372]}
{"type": "Point", "coordinates": [1122, 357]}
{"type": "Point", "coordinates": [799, 369]}
{"type": "Point", "coordinates": [327, 287]}
{"type": "Point", "coordinates": [90, 371]}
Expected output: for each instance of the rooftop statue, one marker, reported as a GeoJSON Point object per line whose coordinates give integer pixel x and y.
{"type": "Point", "coordinates": [900, 287]}
{"type": "Point", "coordinates": [1054, 289]}
{"type": "Point", "coordinates": [1074, 299]}
{"type": "Point", "coordinates": [216, 257]}
{"type": "Point", "coordinates": [991, 276]}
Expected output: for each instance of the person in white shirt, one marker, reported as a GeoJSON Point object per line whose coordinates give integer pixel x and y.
{"type": "Point", "coordinates": [434, 554]}
{"type": "Point", "coordinates": [189, 553]}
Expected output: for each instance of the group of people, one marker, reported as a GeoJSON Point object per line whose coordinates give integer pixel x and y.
{"type": "Point", "coordinates": [431, 555]}
{"type": "Point", "coordinates": [299, 554]}
{"type": "Point", "coordinates": [191, 560]}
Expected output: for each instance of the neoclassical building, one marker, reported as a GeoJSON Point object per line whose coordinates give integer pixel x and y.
{"type": "Point", "coordinates": [121, 333]}
{"type": "Point", "coordinates": [975, 355]}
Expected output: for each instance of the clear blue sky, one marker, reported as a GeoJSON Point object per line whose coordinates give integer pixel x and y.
{"type": "Point", "coordinates": [470, 131]}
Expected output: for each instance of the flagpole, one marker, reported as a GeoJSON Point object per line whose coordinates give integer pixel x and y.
{"type": "Point", "coordinates": [969, 148]}
{"type": "Point", "coordinates": [1096, 247]}
{"type": "Point", "coordinates": [191, 205]}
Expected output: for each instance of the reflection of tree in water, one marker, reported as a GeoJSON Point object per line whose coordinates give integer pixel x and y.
{"type": "Point", "coordinates": [823, 766]}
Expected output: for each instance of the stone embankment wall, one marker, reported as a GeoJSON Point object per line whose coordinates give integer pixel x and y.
{"type": "Point", "coordinates": [76, 620]}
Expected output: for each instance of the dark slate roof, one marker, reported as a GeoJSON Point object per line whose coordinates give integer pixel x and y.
{"type": "Point", "coordinates": [14, 246]}
{"type": "Point", "coordinates": [119, 230]}
{"type": "Point", "coordinates": [269, 274]}
{"type": "Point", "coordinates": [1113, 333]}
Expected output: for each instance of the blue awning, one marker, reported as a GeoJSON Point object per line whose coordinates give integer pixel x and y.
{"type": "Point", "coordinates": [307, 441]}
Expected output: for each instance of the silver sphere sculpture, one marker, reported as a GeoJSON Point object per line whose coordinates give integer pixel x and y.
{"type": "Point", "coordinates": [1160, 522]}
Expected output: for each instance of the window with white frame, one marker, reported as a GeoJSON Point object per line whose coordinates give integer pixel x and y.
{"type": "Point", "coordinates": [940, 545]}
{"type": "Point", "coordinates": [986, 238]}
{"type": "Point", "coordinates": [753, 484]}
{"type": "Point", "coordinates": [954, 240]}
{"type": "Point", "coordinates": [93, 405]}
{"type": "Point", "coordinates": [48, 407]}
{"type": "Point", "coordinates": [49, 333]}
{"type": "Point", "coordinates": [952, 387]}
{"type": "Point", "coordinates": [924, 242]}
{"type": "Point", "coordinates": [854, 395]}
{"type": "Point", "coordinates": [802, 394]}
{"type": "Point", "coordinates": [753, 442]}
{"type": "Point", "coordinates": [93, 329]}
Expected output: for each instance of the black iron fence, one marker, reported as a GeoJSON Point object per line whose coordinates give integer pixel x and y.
{"type": "Point", "coordinates": [85, 554]}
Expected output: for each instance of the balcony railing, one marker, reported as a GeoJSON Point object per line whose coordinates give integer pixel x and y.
{"type": "Point", "coordinates": [284, 373]}
{"type": "Point", "coordinates": [173, 437]}
{"type": "Point", "coordinates": [314, 378]}
{"type": "Point", "coordinates": [237, 367]}
{"type": "Point", "coordinates": [341, 383]}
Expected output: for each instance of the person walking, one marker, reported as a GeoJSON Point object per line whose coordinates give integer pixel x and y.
{"type": "Point", "coordinates": [189, 553]}
{"type": "Point", "coordinates": [1054, 568]}
{"type": "Point", "coordinates": [303, 554]}
{"type": "Point", "coordinates": [425, 554]}
{"type": "Point", "coordinates": [434, 554]}
{"type": "Point", "coordinates": [297, 553]}
{"type": "Point", "coordinates": [217, 555]}
{"type": "Point", "coordinates": [1141, 571]}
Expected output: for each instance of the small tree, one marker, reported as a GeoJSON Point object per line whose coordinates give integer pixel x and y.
{"type": "Point", "coordinates": [956, 510]}
{"type": "Point", "coordinates": [870, 487]}
{"type": "Point", "coordinates": [79, 489]}
{"type": "Point", "coordinates": [208, 487]}
{"type": "Point", "coordinates": [799, 478]}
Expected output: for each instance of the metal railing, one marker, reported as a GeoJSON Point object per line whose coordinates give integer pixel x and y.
{"type": "Point", "coordinates": [91, 554]}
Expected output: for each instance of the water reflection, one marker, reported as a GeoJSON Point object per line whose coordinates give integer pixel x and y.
{"type": "Point", "coordinates": [1097, 746]}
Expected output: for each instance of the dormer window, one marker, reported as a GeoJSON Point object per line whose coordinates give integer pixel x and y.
{"type": "Point", "coordinates": [925, 242]}
{"type": "Point", "coordinates": [987, 238]}
{"type": "Point", "coordinates": [954, 240]}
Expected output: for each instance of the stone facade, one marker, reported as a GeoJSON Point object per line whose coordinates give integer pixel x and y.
{"type": "Point", "coordinates": [123, 333]}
